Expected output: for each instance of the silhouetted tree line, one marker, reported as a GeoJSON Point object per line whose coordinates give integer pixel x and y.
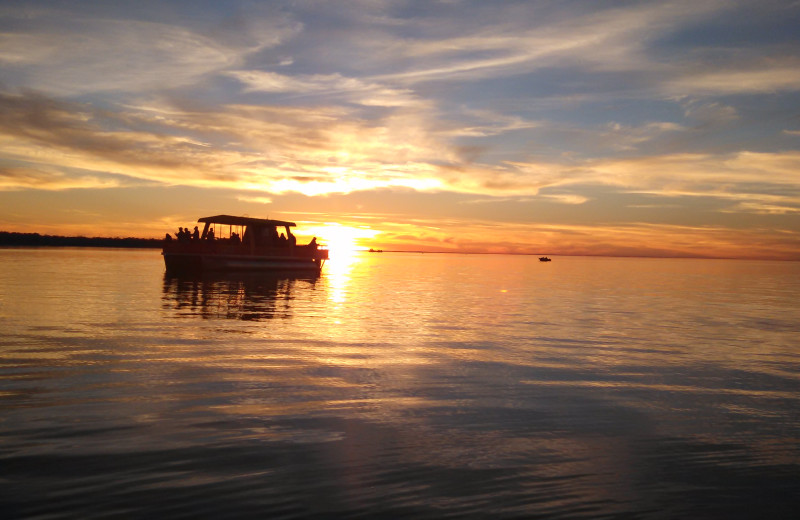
{"type": "Point", "coordinates": [35, 239]}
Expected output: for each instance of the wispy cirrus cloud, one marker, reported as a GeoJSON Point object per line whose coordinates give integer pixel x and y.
{"type": "Point", "coordinates": [773, 74]}
{"type": "Point", "coordinates": [64, 54]}
{"type": "Point", "coordinates": [608, 40]}
{"type": "Point", "coordinates": [334, 86]}
{"type": "Point", "coordinates": [681, 174]}
{"type": "Point", "coordinates": [712, 113]}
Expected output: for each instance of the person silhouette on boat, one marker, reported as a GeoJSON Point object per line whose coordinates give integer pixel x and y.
{"type": "Point", "coordinates": [273, 237]}
{"type": "Point", "coordinates": [292, 239]}
{"type": "Point", "coordinates": [196, 234]}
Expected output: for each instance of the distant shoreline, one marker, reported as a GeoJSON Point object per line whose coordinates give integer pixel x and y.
{"type": "Point", "coordinates": [13, 239]}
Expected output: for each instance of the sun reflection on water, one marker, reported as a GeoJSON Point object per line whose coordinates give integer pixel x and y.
{"type": "Point", "coordinates": [344, 250]}
{"type": "Point", "coordinates": [338, 271]}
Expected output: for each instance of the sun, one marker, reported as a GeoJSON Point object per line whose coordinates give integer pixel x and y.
{"type": "Point", "coordinates": [343, 241]}
{"type": "Point", "coordinates": [339, 241]}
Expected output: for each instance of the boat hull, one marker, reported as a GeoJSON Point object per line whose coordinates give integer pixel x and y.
{"type": "Point", "coordinates": [179, 260]}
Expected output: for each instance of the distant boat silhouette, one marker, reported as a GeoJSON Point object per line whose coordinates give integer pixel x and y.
{"type": "Point", "coordinates": [375, 250]}
{"type": "Point", "coordinates": [544, 259]}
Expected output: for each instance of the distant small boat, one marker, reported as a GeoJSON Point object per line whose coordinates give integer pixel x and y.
{"type": "Point", "coordinates": [544, 259]}
{"type": "Point", "coordinates": [375, 250]}
{"type": "Point", "coordinates": [258, 248]}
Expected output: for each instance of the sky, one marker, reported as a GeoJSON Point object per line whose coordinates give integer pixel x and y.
{"type": "Point", "coordinates": [631, 128]}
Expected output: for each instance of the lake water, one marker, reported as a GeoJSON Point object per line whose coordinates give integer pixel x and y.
{"type": "Point", "coordinates": [399, 386]}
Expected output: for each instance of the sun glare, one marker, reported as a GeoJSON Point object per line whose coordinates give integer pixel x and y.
{"type": "Point", "coordinates": [343, 244]}
{"type": "Point", "coordinates": [343, 241]}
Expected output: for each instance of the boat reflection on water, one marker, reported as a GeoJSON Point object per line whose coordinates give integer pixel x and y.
{"type": "Point", "coordinates": [242, 296]}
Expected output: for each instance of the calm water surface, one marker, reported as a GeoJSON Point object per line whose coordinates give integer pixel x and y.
{"type": "Point", "coordinates": [400, 386]}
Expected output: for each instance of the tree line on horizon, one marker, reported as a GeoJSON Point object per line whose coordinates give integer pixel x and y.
{"type": "Point", "coordinates": [8, 238]}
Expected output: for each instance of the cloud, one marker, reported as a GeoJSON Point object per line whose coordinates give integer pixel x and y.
{"type": "Point", "coordinates": [710, 113]}
{"type": "Point", "coordinates": [620, 137]}
{"type": "Point", "coordinates": [566, 198]}
{"type": "Point", "coordinates": [589, 46]}
{"type": "Point", "coordinates": [38, 129]}
{"type": "Point", "coordinates": [312, 150]}
{"type": "Point", "coordinates": [506, 44]}
{"type": "Point", "coordinates": [69, 55]}
{"type": "Point", "coordinates": [775, 75]}
{"type": "Point", "coordinates": [763, 207]}
{"type": "Point", "coordinates": [756, 179]}
{"type": "Point", "coordinates": [257, 200]}
{"type": "Point", "coordinates": [49, 178]}
{"type": "Point", "coordinates": [332, 85]}
{"type": "Point", "coordinates": [485, 123]}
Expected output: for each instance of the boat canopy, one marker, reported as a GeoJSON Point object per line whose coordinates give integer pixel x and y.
{"type": "Point", "coordinates": [245, 221]}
